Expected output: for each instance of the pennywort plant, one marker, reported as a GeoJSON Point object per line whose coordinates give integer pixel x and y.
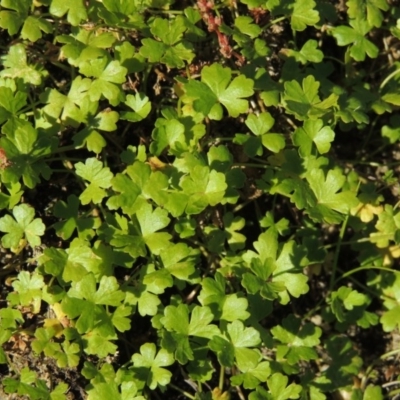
{"type": "Point", "coordinates": [199, 199]}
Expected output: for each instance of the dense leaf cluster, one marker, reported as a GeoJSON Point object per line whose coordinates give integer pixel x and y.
{"type": "Point", "coordinates": [198, 198]}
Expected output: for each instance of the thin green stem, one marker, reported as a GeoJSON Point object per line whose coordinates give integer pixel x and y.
{"type": "Point", "coordinates": [63, 159]}
{"type": "Point", "coordinates": [362, 286]}
{"type": "Point", "coordinates": [254, 165]}
{"type": "Point", "coordinates": [329, 246]}
{"type": "Point", "coordinates": [337, 252]}
{"type": "Point", "coordinates": [389, 354]}
{"type": "Point", "coordinates": [63, 171]}
{"type": "Point", "coordinates": [275, 21]}
{"type": "Point", "coordinates": [368, 267]}
{"type": "Point", "coordinates": [369, 135]}
{"type": "Point", "coordinates": [389, 77]}
{"type": "Point", "coordinates": [221, 378]}
{"type": "Point", "coordinates": [178, 389]}
{"type": "Point", "coordinates": [160, 12]}
{"type": "Point", "coordinates": [334, 59]}
{"type": "Point", "coordinates": [242, 205]}
{"type": "Point", "coordinates": [61, 66]}
{"type": "Point", "coordinates": [394, 392]}
{"type": "Point", "coordinates": [65, 148]}
{"type": "Point", "coordinates": [220, 139]}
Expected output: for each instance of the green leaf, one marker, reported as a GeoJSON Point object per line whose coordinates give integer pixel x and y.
{"type": "Point", "coordinates": [204, 188]}
{"type": "Point", "coordinates": [153, 363]}
{"type": "Point", "coordinates": [10, 103]}
{"type": "Point", "coordinates": [252, 377]}
{"type": "Point", "coordinates": [360, 45]}
{"type": "Point", "coordinates": [129, 187]}
{"type": "Point", "coordinates": [141, 106]}
{"type": "Point", "coordinates": [308, 53]}
{"type": "Point", "coordinates": [300, 340]}
{"type": "Point", "coordinates": [107, 77]}
{"type": "Point", "coordinates": [304, 15]}
{"type": "Point", "coordinates": [216, 86]}
{"type": "Point", "coordinates": [180, 260]}
{"type": "Point", "coordinates": [9, 318]}
{"type": "Point", "coordinates": [44, 343]}
{"type": "Point", "coordinates": [392, 98]}
{"type": "Point", "coordinates": [229, 307]}
{"type": "Point", "coordinates": [23, 226]}
{"type": "Point", "coordinates": [121, 318]}
{"type": "Point", "coordinates": [240, 339]}
{"type": "Point", "coordinates": [99, 178]}
{"type": "Point", "coordinates": [25, 149]}
{"type": "Point", "coordinates": [371, 10]}
{"type": "Point", "coordinates": [241, 336]}
{"type": "Point", "coordinates": [106, 121]}
{"type": "Point", "coordinates": [387, 228]}
{"type": "Point", "coordinates": [86, 303]}
{"type": "Point", "coordinates": [330, 203]}
{"type": "Point", "coordinates": [29, 289]}
{"type": "Point", "coordinates": [260, 124]}
{"type": "Point", "coordinates": [259, 282]}
{"type": "Point", "coordinates": [176, 319]}
{"type": "Point", "coordinates": [373, 393]}
{"type": "Point", "coordinates": [70, 356]}
{"type": "Point", "coordinates": [13, 18]}
{"type": "Point", "coordinates": [75, 10]}
{"type": "Point", "coordinates": [313, 131]}
{"type": "Point", "coordinates": [278, 389]}
{"type": "Point", "coordinates": [146, 301]}
{"type": "Point", "coordinates": [171, 50]}
{"type": "Point", "coordinates": [99, 345]}
{"type": "Point", "coordinates": [70, 220]}
{"type": "Point", "coordinates": [303, 101]}
{"type": "Point", "coordinates": [169, 31]}
{"type": "Point", "coordinates": [234, 308]}
{"type": "Point", "coordinates": [33, 28]}
{"type": "Point", "coordinates": [150, 222]}
{"type": "Point", "coordinates": [287, 272]}
{"type": "Point", "coordinates": [245, 25]}
{"type": "Point", "coordinates": [345, 299]}
{"type": "Point", "coordinates": [16, 66]}
{"type": "Point", "coordinates": [71, 108]}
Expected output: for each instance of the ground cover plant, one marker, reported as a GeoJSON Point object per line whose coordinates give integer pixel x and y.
{"type": "Point", "coordinates": [199, 200]}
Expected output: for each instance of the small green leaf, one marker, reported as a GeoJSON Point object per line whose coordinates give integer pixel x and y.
{"type": "Point", "coordinates": [150, 222]}
{"type": "Point", "coordinates": [308, 53]}
{"type": "Point", "coordinates": [387, 227]}
{"type": "Point", "coordinates": [13, 18]}
{"type": "Point", "coordinates": [16, 66]}
{"type": "Point", "coordinates": [277, 385]}
{"type": "Point", "coordinates": [204, 187]}
{"type": "Point", "coordinates": [330, 202]}
{"type": "Point", "coordinates": [99, 178]}
{"type": "Point", "coordinates": [153, 363]}
{"type": "Point", "coordinates": [313, 131]}
{"type": "Point", "coordinates": [33, 28]}
{"type": "Point", "coordinates": [304, 15]}
{"type": "Point", "coordinates": [23, 226]}
{"type": "Point", "coordinates": [371, 10]}
{"type": "Point", "coordinates": [245, 25]}
{"type": "Point", "coordinates": [25, 149]}
{"type": "Point", "coordinates": [216, 86]}
{"type": "Point", "coordinates": [29, 289]}
{"type": "Point", "coordinates": [360, 45]}
{"type": "Point", "coordinates": [75, 9]}
{"type": "Point", "coordinates": [141, 106]}
{"type": "Point", "coordinates": [303, 101]}
{"type": "Point", "coordinates": [260, 124]}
